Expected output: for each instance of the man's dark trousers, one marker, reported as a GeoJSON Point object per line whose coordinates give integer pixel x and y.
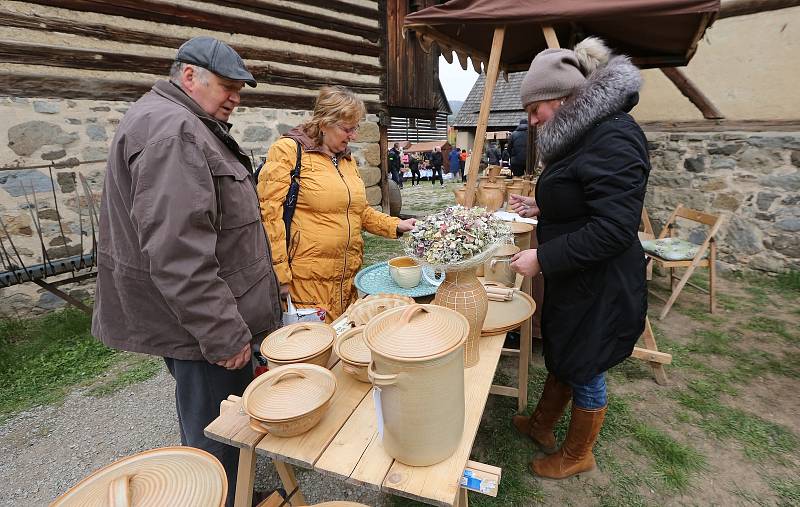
{"type": "Point", "coordinates": [199, 388]}
{"type": "Point", "coordinates": [437, 169]}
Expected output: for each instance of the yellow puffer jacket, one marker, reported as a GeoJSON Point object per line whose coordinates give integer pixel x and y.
{"type": "Point", "coordinates": [326, 249]}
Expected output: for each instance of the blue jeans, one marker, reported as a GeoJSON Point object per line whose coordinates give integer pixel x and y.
{"type": "Point", "coordinates": [591, 395]}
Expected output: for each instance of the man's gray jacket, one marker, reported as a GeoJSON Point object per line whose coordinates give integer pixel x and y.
{"type": "Point", "coordinates": [184, 265]}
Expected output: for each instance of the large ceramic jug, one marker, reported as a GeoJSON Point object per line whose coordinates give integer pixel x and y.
{"type": "Point", "coordinates": [491, 197]}
{"type": "Point", "coordinates": [417, 370]}
{"type": "Point", "coordinates": [463, 292]}
{"type": "Point", "coordinates": [461, 195]}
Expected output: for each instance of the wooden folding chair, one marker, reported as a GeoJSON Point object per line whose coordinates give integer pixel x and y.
{"type": "Point", "coordinates": [646, 233]}
{"type": "Point", "coordinates": [671, 252]}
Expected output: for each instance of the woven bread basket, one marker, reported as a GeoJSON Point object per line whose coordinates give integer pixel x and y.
{"type": "Point", "coordinates": [297, 393]}
{"type": "Point", "coordinates": [362, 311]}
{"type": "Point", "coordinates": [354, 353]}
{"type": "Point", "coordinates": [304, 342]}
{"type": "Point", "coordinates": [174, 476]}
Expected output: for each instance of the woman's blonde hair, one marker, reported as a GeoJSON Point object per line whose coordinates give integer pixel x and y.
{"type": "Point", "coordinates": [335, 104]}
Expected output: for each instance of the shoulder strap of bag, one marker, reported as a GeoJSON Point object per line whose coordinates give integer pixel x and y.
{"type": "Point", "coordinates": [290, 203]}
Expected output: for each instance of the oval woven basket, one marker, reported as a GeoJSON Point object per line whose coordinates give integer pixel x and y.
{"type": "Point", "coordinates": [174, 476]}
{"type": "Point", "coordinates": [297, 342]}
{"type": "Point", "coordinates": [288, 392]}
{"type": "Point", "coordinates": [363, 310]}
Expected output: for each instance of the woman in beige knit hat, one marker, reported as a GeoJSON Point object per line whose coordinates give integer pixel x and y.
{"type": "Point", "coordinates": [589, 199]}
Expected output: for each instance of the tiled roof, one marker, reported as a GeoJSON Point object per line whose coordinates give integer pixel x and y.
{"type": "Point", "coordinates": [506, 105]}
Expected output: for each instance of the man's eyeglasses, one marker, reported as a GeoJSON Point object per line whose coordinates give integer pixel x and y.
{"type": "Point", "coordinates": [348, 130]}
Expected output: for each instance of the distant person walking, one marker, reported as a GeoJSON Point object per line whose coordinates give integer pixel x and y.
{"type": "Point", "coordinates": [493, 154]}
{"type": "Point", "coordinates": [394, 164]}
{"type": "Point", "coordinates": [454, 158]}
{"type": "Point", "coordinates": [413, 164]}
{"type": "Point", "coordinates": [462, 165]}
{"type": "Point", "coordinates": [518, 148]}
{"type": "Point", "coordinates": [437, 160]}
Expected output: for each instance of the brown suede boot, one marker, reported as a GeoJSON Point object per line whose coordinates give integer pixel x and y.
{"type": "Point", "coordinates": [539, 426]}
{"type": "Point", "coordinates": [575, 456]}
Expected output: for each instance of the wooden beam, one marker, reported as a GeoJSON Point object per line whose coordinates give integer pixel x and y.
{"type": "Point", "coordinates": [64, 87]}
{"type": "Point", "coordinates": [175, 14]}
{"type": "Point", "coordinates": [483, 116]}
{"type": "Point", "coordinates": [345, 7]}
{"type": "Point", "coordinates": [461, 49]}
{"type": "Point", "coordinates": [652, 356]}
{"type": "Point", "coordinates": [723, 125]}
{"type": "Point", "coordinates": [690, 91]}
{"type": "Point", "coordinates": [106, 32]}
{"type": "Point", "coordinates": [733, 8]}
{"type": "Point", "coordinates": [54, 56]}
{"type": "Point", "coordinates": [384, 167]}
{"type": "Point", "coordinates": [315, 19]}
{"type": "Point", "coordinates": [504, 390]}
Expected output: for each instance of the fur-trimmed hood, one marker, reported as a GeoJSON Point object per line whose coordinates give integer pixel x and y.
{"type": "Point", "coordinates": [609, 89]}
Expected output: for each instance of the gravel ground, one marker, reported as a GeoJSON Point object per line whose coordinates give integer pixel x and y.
{"type": "Point", "coordinates": [48, 449]}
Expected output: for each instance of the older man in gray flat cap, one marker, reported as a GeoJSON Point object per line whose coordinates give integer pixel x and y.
{"type": "Point", "coordinates": [184, 266]}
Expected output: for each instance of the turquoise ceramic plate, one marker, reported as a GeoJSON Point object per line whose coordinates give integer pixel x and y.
{"type": "Point", "coordinates": [377, 280]}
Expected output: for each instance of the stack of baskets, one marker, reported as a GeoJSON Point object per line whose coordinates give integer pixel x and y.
{"type": "Point", "coordinates": [289, 400]}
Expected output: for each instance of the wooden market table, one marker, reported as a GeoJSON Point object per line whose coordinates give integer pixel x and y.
{"type": "Point", "coordinates": [346, 445]}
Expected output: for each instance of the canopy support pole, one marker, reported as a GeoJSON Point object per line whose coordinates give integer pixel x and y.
{"type": "Point", "coordinates": [492, 71]}
{"type": "Point", "coordinates": [550, 37]}
{"type": "Point", "coordinates": [693, 93]}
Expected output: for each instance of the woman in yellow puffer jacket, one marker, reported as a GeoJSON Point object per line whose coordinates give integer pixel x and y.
{"type": "Point", "coordinates": [325, 249]}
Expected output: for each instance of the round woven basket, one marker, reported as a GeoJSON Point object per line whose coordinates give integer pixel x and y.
{"type": "Point", "coordinates": [290, 393]}
{"type": "Point", "coordinates": [304, 342]}
{"type": "Point", "coordinates": [363, 310]}
{"type": "Point", "coordinates": [174, 476]}
{"type": "Point", "coordinates": [354, 353]}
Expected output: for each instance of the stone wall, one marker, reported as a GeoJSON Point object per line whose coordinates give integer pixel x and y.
{"type": "Point", "coordinates": [753, 179]}
{"type": "Point", "coordinates": [66, 132]}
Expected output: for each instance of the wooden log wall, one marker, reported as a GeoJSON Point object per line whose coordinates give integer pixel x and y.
{"type": "Point", "coordinates": [116, 49]}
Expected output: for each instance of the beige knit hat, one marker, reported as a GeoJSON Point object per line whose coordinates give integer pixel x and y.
{"type": "Point", "coordinates": [557, 73]}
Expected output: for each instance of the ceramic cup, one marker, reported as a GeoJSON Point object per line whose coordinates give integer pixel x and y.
{"type": "Point", "coordinates": [405, 271]}
{"type": "Point", "coordinates": [498, 268]}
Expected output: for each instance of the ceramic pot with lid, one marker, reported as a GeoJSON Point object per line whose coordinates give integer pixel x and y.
{"type": "Point", "coordinates": [417, 370]}
{"type": "Point", "coordinates": [303, 342]}
{"type": "Point", "coordinates": [289, 400]}
{"type": "Point", "coordinates": [354, 353]}
{"type": "Point", "coordinates": [175, 476]}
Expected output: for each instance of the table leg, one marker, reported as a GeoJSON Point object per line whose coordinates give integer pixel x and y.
{"type": "Point", "coordinates": [525, 338]}
{"type": "Point", "coordinates": [286, 473]}
{"type": "Point", "coordinates": [524, 358]}
{"type": "Point", "coordinates": [462, 500]}
{"type": "Point", "coordinates": [245, 478]}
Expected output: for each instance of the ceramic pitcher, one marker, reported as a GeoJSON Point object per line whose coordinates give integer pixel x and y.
{"type": "Point", "coordinates": [498, 268]}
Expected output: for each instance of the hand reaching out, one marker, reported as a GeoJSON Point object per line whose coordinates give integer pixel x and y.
{"type": "Point", "coordinates": [524, 206]}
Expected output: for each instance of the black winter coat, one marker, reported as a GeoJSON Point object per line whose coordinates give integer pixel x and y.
{"type": "Point", "coordinates": [518, 144]}
{"type": "Point", "coordinates": [591, 194]}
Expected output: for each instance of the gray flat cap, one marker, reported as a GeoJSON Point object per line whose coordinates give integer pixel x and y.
{"type": "Point", "coordinates": [216, 56]}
